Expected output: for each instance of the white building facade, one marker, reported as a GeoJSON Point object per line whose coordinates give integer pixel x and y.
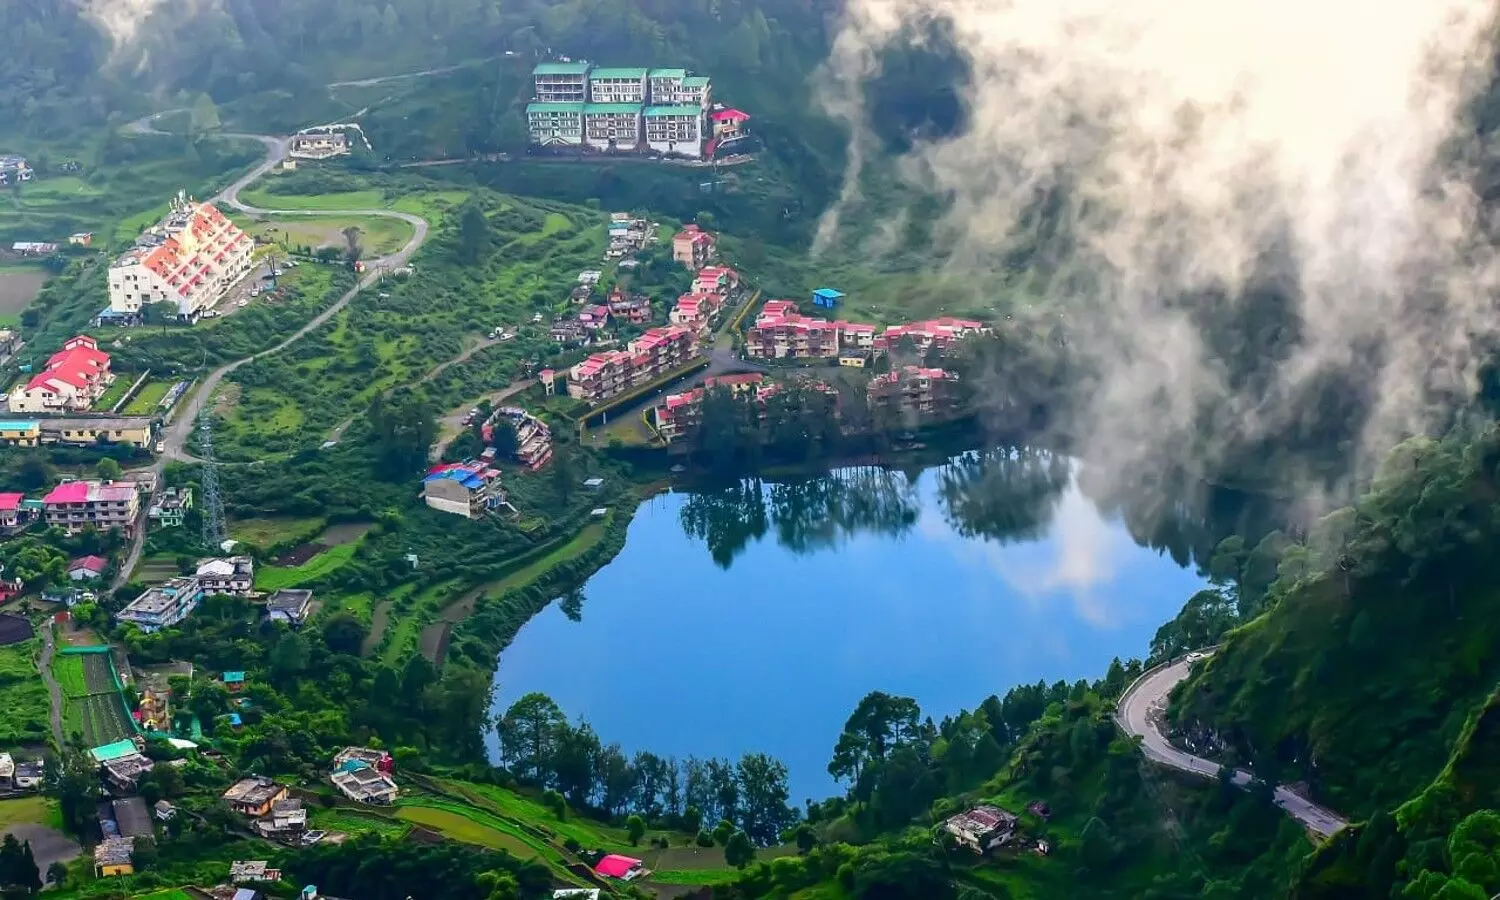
{"type": "Point", "coordinates": [555, 124]}
{"type": "Point", "coordinates": [625, 85]}
{"type": "Point", "coordinates": [676, 129]}
{"type": "Point", "coordinates": [612, 126]}
{"type": "Point", "coordinates": [190, 259]}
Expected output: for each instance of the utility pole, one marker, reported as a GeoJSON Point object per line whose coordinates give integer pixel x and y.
{"type": "Point", "coordinates": [213, 503]}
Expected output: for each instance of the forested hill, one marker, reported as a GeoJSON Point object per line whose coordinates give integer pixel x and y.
{"type": "Point", "coordinates": [1378, 649]}
{"type": "Point", "coordinates": [53, 53]}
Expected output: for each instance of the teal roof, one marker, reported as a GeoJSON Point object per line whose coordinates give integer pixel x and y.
{"type": "Point", "coordinates": [232, 677]}
{"type": "Point", "coordinates": [668, 73]}
{"type": "Point", "coordinates": [116, 750]}
{"type": "Point", "coordinates": [18, 425]}
{"type": "Point", "coordinates": [695, 81]}
{"type": "Point", "coordinates": [561, 68]}
{"type": "Point", "coordinates": [574, 108]}
{"type": "Point", "coordinates": [679, 110]}
{"type": "Point", "coordinates": [589, 108]}
{"type": "Point", "coordinates": [618, 73]}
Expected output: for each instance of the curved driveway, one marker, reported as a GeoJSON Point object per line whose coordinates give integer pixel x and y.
{"type": "Point", "coordinates": [1139, 714]}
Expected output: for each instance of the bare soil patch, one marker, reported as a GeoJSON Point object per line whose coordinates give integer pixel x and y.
{"type": "Point", "coordinates": [13, 629]}
{"type": "Point", "coordinates": [347, 533]}
{"type": "Point", "coordinates": [434, 642]}
{"type": "Point", "coordinates": [378, 619]}
{"type": "Point", "coordinates": [300, 554]}
{"type": "Point", "coordinates": [18, 287]}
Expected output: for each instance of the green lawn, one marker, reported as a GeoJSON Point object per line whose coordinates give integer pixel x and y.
{"type": "Point", "coordinates": [271, 578]}
{"type": "Point", "coordinates": [116, 390]}
{"type": "Point", "coordinates": [522, 808]}
{"type": "Point", "coordinates": [367, 199]}
{"type": "Point", "coordinates": [695, 876]}
{"type": "Point", "coordinates": [145, 401]}
{"type": "Point", "coordinates": [273, 530]}
{"type": "Point", "coordinates": [169, 894]}
{"type": "Point", "coordinates": [354, 822]}
{"type": "Point", "coordinates": [68, 670]}
{"type": "Point", "coordinates": [26, 810]}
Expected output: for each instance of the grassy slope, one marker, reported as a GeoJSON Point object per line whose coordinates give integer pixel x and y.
{"type": "Point", "coordinates": [270, 578]}
{"type": "Point", "coordinates": [1379, 714]}
{"type": "Point", "coordinates": [26, 703]}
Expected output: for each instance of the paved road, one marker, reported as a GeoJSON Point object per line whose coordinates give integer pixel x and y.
{"type": "Point", "coordinates": [1139, 714]}
{"type": "Point", "coordinates": [175, 436]}
{"type": "Point", "coordinates": [54, 691]}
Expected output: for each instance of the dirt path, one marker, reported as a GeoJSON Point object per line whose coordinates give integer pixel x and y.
{"type": "Point", "coordinates": [54, 691]}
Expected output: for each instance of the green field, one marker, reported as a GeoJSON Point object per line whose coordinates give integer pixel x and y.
{"type": "Point", "coordinates": [380, 235]}
{"type": "Point", "coordinates": [473, 827]}
{"type": "Point", "coordinates": [271, 578]}
{"type": "Point", "coordinates": [92, 707]}
{"type": "Point", "coordinates": [36, 809]}
{"type": "Point", "coordinates": [147, 399]}
{"type": "Point", "coordinates": [354, 822]}
{"type": "Point", "coordinates": [275, 530]}
{"type": "Point", "coordinates": [169, 894]}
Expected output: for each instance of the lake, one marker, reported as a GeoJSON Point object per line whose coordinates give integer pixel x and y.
{"type": "Point", "coordinates": [754, 617]}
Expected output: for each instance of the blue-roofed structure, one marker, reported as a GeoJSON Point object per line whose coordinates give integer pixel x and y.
{"type": "Point", "coordinates": [827, 298]}
{"type": "Point", "coordinates": [468, 489]}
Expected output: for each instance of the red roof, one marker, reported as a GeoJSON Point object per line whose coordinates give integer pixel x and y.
{"type": "Point", "coordinates": [70, 492]}
{"type": "Point", "coordinates": [729, 115]}
{"type": "Point", "coordinates": [91, 563]}
{"type": "Point", "coordinates": [11, 502]}
{"type": "Point", "coordinates": [616, 866]}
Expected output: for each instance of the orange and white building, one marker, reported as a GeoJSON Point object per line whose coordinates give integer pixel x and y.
{"type": "Point", "coordinates": [658, 351]}
{"type": "Point", "coordinates": [693, 247]}
{"type": "Point", "coordinates": [189, 259]}
{"type": "Point", "coordinates": [73, 379]}
{"type": "Point", "coordinates": [696, 311]}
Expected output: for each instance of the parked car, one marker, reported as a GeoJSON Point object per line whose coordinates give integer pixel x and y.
{"type": "Point", "coordinates": [244, 303]}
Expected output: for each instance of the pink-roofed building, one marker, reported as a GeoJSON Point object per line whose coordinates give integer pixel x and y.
{"type": "Point", "coordinates": [76, 505]}
{"type": "Point", "coordinates": [913, 390]}
{"type": "Point", "coordinates": [659, 350]}
{"type": "Point", "coordinates": [10, 510]}
{"type": "Point", "coordinates": [697, 312]}
{"type": "Point", "coordinates": [594, 316]}
{"type": "Point", "coordinates": [72, 380]}
{"type": "Point", "coordinates": [680, 414]}
{"type": "Point", "coordinates": [780, 332]}
{"type": "Point", "coordinates": [624, 868]}
{"type": "Point", "coordinates": [693, 247]}
{"type": "Point", "coordinates": [715, 280]}
{"type": "Point", "coordinates": [942, 333]}
{"type": "Point", "coordinates": [600, 376]}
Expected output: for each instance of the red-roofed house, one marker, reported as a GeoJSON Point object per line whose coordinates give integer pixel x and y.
{"type": "Point", "coordinates": [603, 375]}
{"type": "Point", "coordinates": [715, 280]}
{"type": "Point", "coordinates": [594, 316]}
{"type": "Point", "coordinates": [74, 377]}
{"type": "Point", "coordinates": [693, 247]}
{"type": "Point", "coordinates": [76, 505]}
{"type": "Point", "coordinates": [728, 123]}
{"type": "Point", "coordinates": [87, 568]}
{"type": "Point", "coordinates": [780, 332]}
{"type": "Point", "coordinates": [10, 510]}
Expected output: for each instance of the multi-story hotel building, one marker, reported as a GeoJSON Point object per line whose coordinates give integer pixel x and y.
{"type": "Point", "coordinates": [561, 82]}
{"type": "Point", "coordinates": [677, 129]}
{"type": "Point", "coordinates": [617, 85]}
{"type": "Point", "coordinates": [612, 126]}
{"type": "Point", "coordinates": [189, 259]}
{"type": "Point", "coordinates": [658, 351]}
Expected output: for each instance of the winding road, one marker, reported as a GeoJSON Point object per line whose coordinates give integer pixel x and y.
{"type": "Point", "coordinates": [1139, 714]}
{"type": "Point", "coordinates": [175, 436]}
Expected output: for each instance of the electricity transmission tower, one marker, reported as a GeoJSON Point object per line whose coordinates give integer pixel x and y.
{"type": "Point", "coordinates": [213, 504]}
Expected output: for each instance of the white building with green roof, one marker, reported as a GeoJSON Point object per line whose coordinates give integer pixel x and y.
{"type": "Point", "coordinates": [555, 124]}
{"type": "Point", "coordinates": [561, 82]}
{"type": "Point", "coordinates": [617, 85]}
{"type": "Point", "coordinates": [695, 90]}
{"type": "Point", "coordinates": [675, 129]}
{"type": "Point", "coordinates": [612, 126]}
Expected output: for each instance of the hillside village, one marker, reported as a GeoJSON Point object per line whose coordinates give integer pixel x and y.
{"type": "Point", "coordinates": [116, 563]}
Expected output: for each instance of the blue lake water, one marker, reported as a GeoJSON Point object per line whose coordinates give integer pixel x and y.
{"type": "Point", "coordinates": [755, 618]}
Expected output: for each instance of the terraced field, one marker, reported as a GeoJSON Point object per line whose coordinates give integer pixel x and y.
{"type": "Point", "coordinates": [92, 707]}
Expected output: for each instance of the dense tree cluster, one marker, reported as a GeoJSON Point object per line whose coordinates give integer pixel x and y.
{"type": "Point", "coordinates": [540, 747]}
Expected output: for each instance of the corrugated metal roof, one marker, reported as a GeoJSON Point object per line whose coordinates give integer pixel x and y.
{"type": "Point", "coordinates": [619, 72]}
{"type": "Point", "coordinates": [574, 108]}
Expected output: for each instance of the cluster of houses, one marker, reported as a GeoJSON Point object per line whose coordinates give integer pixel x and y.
{"type": "Point", "coordinates": [628, 234]}
{"type": "Point", "coordinates": [473, 488]}
{"type": "Point", "coordinates": [322, 142]}
{"type": "Point", "coordinates": [90, 431]}
{"type": "Point", "coordinates": [680, 414]}
{"type": "Point", "coordinates": [628, 110]}
{"type": "Point", "coordinates": [780, 331]}
{"type": "Point", "coordinates": [365, 775]}
{"type": "Point", "coordinates": [14, 169]}
{"type": "Point", "coordinates": [190, 260]}
{"type": "Point", "coordinates": [653, 354]}
{"type": "Point", "coordinates": [169, 603]}
{"type": "Point", "coordinates": [699, 309]}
